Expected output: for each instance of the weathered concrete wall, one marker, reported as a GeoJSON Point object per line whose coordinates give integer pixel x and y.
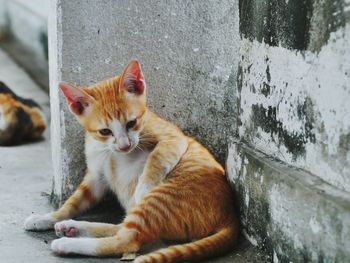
{"type": "Point", "coordinates": [291, 214]}
{"type": "Point", "coordinates": [271, 79]}
{"type": "Point", "coordinates": [189, 53]}
{"type": "Point", "coordinates": [293, 100]}
{"type": "Point", "coordinates": [295, 105]}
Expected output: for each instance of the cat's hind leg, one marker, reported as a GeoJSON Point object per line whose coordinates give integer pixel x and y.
{"type": "Point", "coordinates": [73, 228]}
{"type": "Point", "coordinates": [142, 225]}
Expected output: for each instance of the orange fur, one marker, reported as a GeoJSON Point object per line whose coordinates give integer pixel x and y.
{"type": "Point", "coordinates": [77, 203]}
{"type": "Point", "coordinates": [190, 198]}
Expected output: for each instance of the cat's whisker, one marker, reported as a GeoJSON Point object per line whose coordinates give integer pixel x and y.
{"type": "Point", "coordinates": [147, 144]}
{"type": "Point", "coordinates": [145, 139]}
{"type": "Point", "coordinates": [167, 141]}
{"type": "Point", "coordinates": [143, 145]}
{"type": "Point", "coordinates": [146, 133]}
{"type": "Point", "coordinates": [138, 147]}
{"type": "Point", "coordinates": [146, 136]}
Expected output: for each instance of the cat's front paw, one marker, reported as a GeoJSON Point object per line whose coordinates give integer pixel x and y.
{"type": "Point", "coordinates": [39, 222]}
{"type": "Point", "coordinates": [141, 190]}
{"type": "Point", "coordinates": [61, 246]}
{"type": "Point", "coordinates": [68, 228]}
{"type": "Point", "coordinates": [81, 246]}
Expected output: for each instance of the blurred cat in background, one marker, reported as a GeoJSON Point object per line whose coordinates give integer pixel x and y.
{"type": "Point", "coordinates": [21, 119]}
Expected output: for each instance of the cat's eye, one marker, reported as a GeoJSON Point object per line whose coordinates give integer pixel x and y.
{"type": "Point", "coordinates": [105, 132]}
{"type": "Point", "coordinates": [131, 124]}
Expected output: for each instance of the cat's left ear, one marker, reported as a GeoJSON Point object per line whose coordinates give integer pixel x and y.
{"type": "Point", "coordinates": [132, 79]}
{"type": "Point", "coordinates": [78, 100]}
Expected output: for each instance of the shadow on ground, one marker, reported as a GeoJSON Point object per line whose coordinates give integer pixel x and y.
{"type": "Point", "coordinates": [110, 212]}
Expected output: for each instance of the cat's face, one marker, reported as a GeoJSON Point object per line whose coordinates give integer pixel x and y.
{"type": "Point", "coordinates": [113, 111]}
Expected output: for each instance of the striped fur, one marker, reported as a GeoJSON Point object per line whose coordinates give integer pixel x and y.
{"type": "Point", "coordinates": [170, 185]}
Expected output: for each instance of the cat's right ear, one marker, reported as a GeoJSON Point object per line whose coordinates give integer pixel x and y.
{"type": "Point", "coordinates": [78, 100]}
{"type": "Point", "coordinates": [132, 79]}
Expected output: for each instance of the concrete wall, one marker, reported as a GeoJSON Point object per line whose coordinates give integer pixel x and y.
{"type": "Point", "coordinates": [268, 79]}
{"type": "Point", "coordinates": [292, 215]}
{"type": "Point", "coordinates": [291, 160]}
{"type": "Point", "coordinates": [189, 53]}
{"type": "Point", "coordinates": [295, 89]}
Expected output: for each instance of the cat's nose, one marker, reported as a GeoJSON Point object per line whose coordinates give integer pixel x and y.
{"type": "Point", "coordinates": [124, 147]}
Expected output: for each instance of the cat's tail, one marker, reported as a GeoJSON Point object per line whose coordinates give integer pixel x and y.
{"type": "Point", "coordinates": [216, 244]}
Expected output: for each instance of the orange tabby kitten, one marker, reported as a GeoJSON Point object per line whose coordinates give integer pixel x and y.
{"type": "Point", "coordinates": [171, 186]}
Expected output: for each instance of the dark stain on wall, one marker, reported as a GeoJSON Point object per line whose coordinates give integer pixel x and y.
{"type": "Point", "coordinates": [344, 148]}
{"type": "Point", "coordinates": [266, 89]}
{"type": "Point", "coordinates": [276, 21]}
{"type": "Point", "coordinates": [255, 211]}
{"type": "Point", "coordinates": [301, 25]}
{"type": "Point", "coordinates": [266, 118]}
{"type": "Point", "coordinates": [344, 143]}
{"type": "Point", "coordinates": [239, 80]}
{"type": "Point", "coordinates": [328, 16]}
{"type": "Point", "coordinates": [305, 112]}
{"type": "Point", "coordinates": [268, 74]}
{"type": "Point", "coordinates": [256, 208]}
{"type": "Point", "coordinates": [44, 43]}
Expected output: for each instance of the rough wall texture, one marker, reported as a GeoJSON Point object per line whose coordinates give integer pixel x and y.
{"type": "Point", "coordinates": [273, 75]}
{"type": "Point", "coordinates": [291, 165]}
{"type": "Point", "coordinates": [291, 214]}
{"type": "Point", "coordinates": [294, 87]}
{"type": "Point", "coordinates": [189, 52]}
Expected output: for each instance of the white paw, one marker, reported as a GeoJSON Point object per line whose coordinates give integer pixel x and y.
{"type": "Point", "coordinates": [81, 246]}
{"type": "Point", "coordinates": [61, 246]}
{"type": "Point", "coordinates": [39, 222]}
{"type": "Point", "coordinates": [141, 190]}
{"type": "Point", "coordinates": [68, 228]}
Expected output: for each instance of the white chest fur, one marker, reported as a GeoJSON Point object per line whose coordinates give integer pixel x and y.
{"type": "Point", "coordinates": [123, 179]}
{"type": "Point", "coordinates": [120, 171]}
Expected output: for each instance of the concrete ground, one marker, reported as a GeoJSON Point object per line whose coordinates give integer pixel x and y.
{"type": "Point", "coordinates": [25, 183]}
